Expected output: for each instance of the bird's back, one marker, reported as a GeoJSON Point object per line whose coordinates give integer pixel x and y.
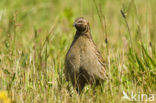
{"type": "Point", "coordinates": [84, 59]}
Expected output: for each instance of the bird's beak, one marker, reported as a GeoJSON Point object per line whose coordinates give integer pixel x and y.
{"type": "Point", "coordinates": [74, 24]}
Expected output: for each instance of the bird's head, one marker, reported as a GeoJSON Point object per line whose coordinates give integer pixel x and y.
{"type": "Point", "coordinates": [81, 24]}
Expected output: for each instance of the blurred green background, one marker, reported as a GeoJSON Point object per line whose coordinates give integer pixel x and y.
{"type": "Point", "coordinates": [36, 34]}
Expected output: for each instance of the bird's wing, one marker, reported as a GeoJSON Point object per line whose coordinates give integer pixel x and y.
{"type": "Point", "coordinates": [92, 61]}
{"type": "Point", "coordinates": [102, 70]}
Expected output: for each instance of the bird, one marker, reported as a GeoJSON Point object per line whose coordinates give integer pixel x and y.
{"type": "Point", "coordinates": [83, 62]}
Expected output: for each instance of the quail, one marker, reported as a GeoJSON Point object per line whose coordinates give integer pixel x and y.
{"type": "Point", "coordinates": [83, 62]}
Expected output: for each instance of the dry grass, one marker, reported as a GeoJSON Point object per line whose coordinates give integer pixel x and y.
{"type": "Point", "coordinates": [35, 36]}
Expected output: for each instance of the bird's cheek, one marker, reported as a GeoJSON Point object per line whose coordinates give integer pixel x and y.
{"type": "Point", "coordinates": [83, 27]}
{"type": "Point", "coordinates": [78, 27]}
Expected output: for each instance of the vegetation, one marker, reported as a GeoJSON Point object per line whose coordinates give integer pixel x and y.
{"type": "Point", "coordinates": [36, 34]}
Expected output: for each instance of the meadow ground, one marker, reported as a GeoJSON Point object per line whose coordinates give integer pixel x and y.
{"type": "Point", "coordinates": [36, 34]}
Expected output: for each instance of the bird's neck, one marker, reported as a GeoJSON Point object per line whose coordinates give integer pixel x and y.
{"type": "Point", "coordinates": [83, 33]}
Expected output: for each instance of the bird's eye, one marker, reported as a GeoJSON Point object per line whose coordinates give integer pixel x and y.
{"type": "Point", "coordinates": [80, 22]}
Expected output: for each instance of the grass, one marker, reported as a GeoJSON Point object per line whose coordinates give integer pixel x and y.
{"type": "Point", "coordinates": [35, 36]}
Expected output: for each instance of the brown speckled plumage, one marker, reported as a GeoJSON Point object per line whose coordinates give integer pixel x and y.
{"type": "Point", "coordinates": [84, 63]}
